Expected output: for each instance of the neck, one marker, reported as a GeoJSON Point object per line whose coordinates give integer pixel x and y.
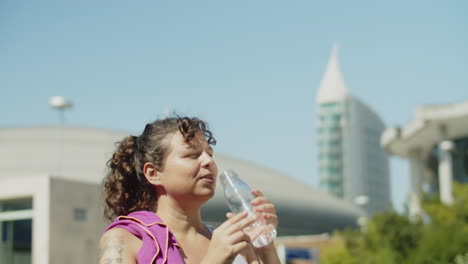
{"type": "Point", "coordinates": [180, 219]}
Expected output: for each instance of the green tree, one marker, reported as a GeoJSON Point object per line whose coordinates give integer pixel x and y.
{"type": "Point", "coordinates": [337, 252]}
{"type": "Point", "coordinates": [446, 236]}
{"type": "Point", "coordinates": [392, 238]}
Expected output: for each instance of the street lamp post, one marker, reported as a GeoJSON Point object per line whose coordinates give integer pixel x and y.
{"type": "Point", "coordinates": [362, 201]}
{"type": "Point", "coordinates": [61, 104]}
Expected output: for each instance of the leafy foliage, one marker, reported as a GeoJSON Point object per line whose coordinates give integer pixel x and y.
{"type": "Point", "coordinates": [392, 238]}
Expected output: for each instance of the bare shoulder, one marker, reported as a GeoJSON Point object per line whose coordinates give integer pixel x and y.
{"type": "Point", "coordinates": [118, 246]}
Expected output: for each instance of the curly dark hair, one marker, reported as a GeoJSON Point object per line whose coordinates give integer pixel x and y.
{"type": "Point", "coordinates": [125, 189]}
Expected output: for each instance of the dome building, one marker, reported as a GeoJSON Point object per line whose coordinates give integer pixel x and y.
{"type": "Point", "coordinates": [51, 210]}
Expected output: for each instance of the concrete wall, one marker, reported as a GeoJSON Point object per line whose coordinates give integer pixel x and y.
{"type": "Point", "coordinates": [76, 222]}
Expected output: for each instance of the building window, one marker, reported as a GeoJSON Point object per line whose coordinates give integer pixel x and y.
{"type": "Point", "coordinates": [330, 107]}
{"type": "Point", "coordinates": [16, 231]}
{"type": "Point", "coordinates": [330, 156]}
{"type": "Point", "coordinates": [79, 214]}
{"type": "Point", "coordinates": [15, 204]}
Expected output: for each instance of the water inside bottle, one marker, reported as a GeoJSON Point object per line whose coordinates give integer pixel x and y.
{"type": "Point", "coordinates": [260, 233]}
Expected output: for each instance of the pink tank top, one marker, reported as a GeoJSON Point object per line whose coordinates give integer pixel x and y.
{"type": "Point", "coordinates": [159, 244]}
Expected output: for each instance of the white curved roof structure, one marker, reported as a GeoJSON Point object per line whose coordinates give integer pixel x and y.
{"type": "Point", "coordinates": [80, 154]}
{"type": "Point", "coordinates": [431, 124]}
{"type": "Point", "coordinates": [332, 87]}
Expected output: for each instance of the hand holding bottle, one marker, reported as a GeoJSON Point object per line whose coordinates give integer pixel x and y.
{"type": "Point", "coordinates": [263, 208]}
{"type": "Point", "coordinates": [229, 239]}
{"type": "Point", "coordinates": [240, 197]}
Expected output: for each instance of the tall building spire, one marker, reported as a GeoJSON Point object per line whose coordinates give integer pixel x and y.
{"type": "Point", "coordinates": [332, 87]}
{"type": "Point", "coordinates": [346, 169]}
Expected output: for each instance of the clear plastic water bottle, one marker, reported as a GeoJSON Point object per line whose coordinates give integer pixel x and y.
{"type": "Point", "coordinates": [238, 197]}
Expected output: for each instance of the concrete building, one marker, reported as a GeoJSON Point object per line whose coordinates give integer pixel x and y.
{"type": "Point", "coordinates": [436, 144]}
{"type": "Point", "coordinates": [352, 165]}
{"type": "Point", "coordinates": [51, 210]}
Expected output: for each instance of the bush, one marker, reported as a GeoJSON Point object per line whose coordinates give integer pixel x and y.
{"type": "Point", "coordinates": [393, 238]}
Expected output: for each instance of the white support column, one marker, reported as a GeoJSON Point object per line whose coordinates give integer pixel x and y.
{"type": "Point", "coordinates": [416, 175]}
{"type": "Point", "coordinates": [445, 172]}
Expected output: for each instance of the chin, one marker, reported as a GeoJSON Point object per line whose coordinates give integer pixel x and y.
{"type": "Point", "coordinates": [207, 195]}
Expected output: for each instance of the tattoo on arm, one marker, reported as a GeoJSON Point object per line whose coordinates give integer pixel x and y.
{"type": "Point", "coordinates": [111, 249]}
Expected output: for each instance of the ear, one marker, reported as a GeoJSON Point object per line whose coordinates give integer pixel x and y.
{"type": "Point", "coordinates": [152, 174]}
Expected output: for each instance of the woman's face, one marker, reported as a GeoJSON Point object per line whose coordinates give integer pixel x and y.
{"type": "Point", "coordinates": [189, 170]}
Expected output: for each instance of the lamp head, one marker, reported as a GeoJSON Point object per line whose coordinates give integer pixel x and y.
{"type": "Point", "coordinates": [58, 102]}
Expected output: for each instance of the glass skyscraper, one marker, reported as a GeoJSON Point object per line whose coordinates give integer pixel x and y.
{"type": "Point", "coordinates": [352, 165]}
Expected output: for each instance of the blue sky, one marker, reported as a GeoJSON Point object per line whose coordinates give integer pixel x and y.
{"type": "Point", "coordinates": [250, 68]}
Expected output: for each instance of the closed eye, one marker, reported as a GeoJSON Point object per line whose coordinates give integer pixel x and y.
{"type": "Point", "coordinates": [194, 155]}
{"type": "Point", "coordinates": [210, 151]}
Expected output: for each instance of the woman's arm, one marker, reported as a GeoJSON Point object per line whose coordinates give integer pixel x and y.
{"type": "Point", "coordinates": [229, 239]}
{"type": "Point", "coordinates": [118, 246]}
{"type": "Point", "coordinates": [268, 255]}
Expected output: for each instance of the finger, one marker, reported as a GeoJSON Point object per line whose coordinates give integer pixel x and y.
{"type": "Point", "coordinates": [270, 219]}
{"type": "Point", "coordinates": [238, 247]}
{"type": "Point", "coordinates": [233, 219]}
{"type": "Point", "coordinates": [229, 215]}
{"type": "Point", "coordinates": [240, 225]}
{"type": "Point", "coordinates": [256, 193]}
{"type": "Point", "coordinates": [267, 208]}
{"type": "Point", "coordinates": [238, 237]}
{"type": "Point", "coordinates": [236, 217]}
{"type": "Point", "coordinates": [268, 216]}
{"type": "Point", "coordinates": [259, 200]}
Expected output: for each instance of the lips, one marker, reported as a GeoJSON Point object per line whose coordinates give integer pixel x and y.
{"type": "Point", "coordinates": [208, 178]}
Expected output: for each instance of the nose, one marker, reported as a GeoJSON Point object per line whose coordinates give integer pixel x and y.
{"type": "Point", "coordinates": [206, 160]}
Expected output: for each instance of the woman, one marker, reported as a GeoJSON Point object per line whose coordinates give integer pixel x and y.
{"type": "Point", "coordinates": [156, 185]}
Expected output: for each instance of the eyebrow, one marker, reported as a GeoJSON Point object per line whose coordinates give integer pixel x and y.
{"type": "Point", "coordinates": [192, 147]}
